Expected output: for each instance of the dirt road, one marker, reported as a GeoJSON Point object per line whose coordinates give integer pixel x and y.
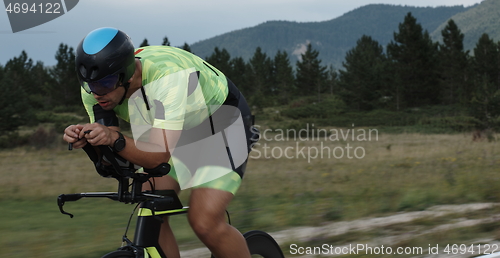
{"type": "Point", "coordinates": [305, 234]}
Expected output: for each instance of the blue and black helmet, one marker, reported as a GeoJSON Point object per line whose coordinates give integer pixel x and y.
{"type": "Point", "coordinates": [105, 58]}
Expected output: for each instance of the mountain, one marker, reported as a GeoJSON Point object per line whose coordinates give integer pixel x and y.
{"type": "Point", "coordinates": [332, 38]}
{"type": "Point", "coordinates": [484, 18]}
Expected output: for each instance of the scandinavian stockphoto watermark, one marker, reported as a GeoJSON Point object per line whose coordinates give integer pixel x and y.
{"type": "Point", "coordinates": [26, 14]}
{"type": "Point", "coordinates": [312, 143]}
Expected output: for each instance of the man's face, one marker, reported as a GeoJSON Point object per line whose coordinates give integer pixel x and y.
{"type": "Point", "coordinates": [110, 100]}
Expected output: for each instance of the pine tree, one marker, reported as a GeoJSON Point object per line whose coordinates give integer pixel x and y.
{"type": "Point", "coordinates": [187, 47]}
{"type": "Point", "coordinates": [48, 87]}
{"type": "Point", "coordinates": [19, 69]}
{"type": "Point", "coordinates": [362, 80]}
{"type": "Point", "coordinates": [414, 57]}
{"type": "Point", "coordinates": [166, 42]}
{"type": "Point", "coordinates": [332, 80]}
{"type": "Point", "coordinates": [220, 59]}
{"type": "Point", "coordinates": [14, 104]}
{"type": "Point", "coordinates": [260, 76]}
{"type": "Point", "coordinates": [311, 75]}
{"type": "Point", "coordinates": [18, 86]}
{"type": "Point", "coordinates": [144, 43]}
{"type": "Point", "coordinates": [239, 76]}
{"type": "Point", "coordinates": [453, 65]}
{"type": "Point", "coordinates": [284, 79]}
{"type": "Point", "coordinates": [485, 103]}
{"type": "Point", "coordinates": [65, 90]}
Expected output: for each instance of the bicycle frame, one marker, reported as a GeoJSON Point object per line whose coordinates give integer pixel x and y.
{"type": "Point", "coordinates": [149, 221]}
{"type": "Point", "coordinates": [152, 207]}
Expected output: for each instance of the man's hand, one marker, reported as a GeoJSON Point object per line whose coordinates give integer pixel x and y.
{"type": "Point", "coordinates": [97, 134]}
{"type": "Point", "coordinates": [72, 135]}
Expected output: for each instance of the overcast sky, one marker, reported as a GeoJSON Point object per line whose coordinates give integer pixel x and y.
{"type": "Point", "coordinates": [183, 21]}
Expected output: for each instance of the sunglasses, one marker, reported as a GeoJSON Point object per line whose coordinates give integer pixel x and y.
{"type": "Point", "coordinates": [102, 86]}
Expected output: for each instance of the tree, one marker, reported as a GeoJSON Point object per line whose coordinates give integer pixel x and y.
{"type": "Point", "coordinates": [15, 106]}
{"type": "Point", "coordinates": [332, 80]}
{"type": "Point", "coordinates": [19, 69]}
{"type": "Point", "coordinates": [220, 59]}
{"type": "Point", "coordinates": [165, 42]}
{"type": "Point", "coordinates": [65, 90]}
{"type": "Point", "coordinates": [453, 65]}
{"type": "Point", "coordinates": [144, 43]}
{"type": "Point", "coordinates": [260, 77]}
{"type": "Point", "coordinates": [44, 96]}
{"type": "Point", "coordinates": [284, 79]}
{"type": "Point", "coordinates": [239, 76]}
{"type": "Point", "coordinates": [187, 47]}
{"type": "Point", "coordinates": [414, 57]}
{"type": "Point", "coordinates": [362, 80]}
{"type": "Point", "coordinates": [485, 103]}
{"type": "Point", "coordinates": [311, 75]}
{"type": "Point", "coordinates": [15, 81]}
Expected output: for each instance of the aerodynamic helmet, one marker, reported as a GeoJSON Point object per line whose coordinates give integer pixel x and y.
{"type": "Point", "coordinates": [105, 60]}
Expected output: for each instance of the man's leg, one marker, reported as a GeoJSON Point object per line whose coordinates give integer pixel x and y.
{"type": "Point", "coordinates": [207, 217]}
{"type": "Point", "coordinates": [166, 239]}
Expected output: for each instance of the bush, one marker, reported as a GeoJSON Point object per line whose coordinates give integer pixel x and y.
{"type": "Point", "coordinates": [43, 138]}
{"type": "Point", "coordinates": [51, 117]}
{"type": "Point", "coordinates": [436, 119]}
{"type": "Point", "coordinates": [76, 109]}
{"type": "Point", "coordinates": [13, 140]}
{"type": "Point", "coordinates": [308, 108]}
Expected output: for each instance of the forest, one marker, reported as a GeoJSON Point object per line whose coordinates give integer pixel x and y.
{"type": "Point", "coordinates": [411, 84]}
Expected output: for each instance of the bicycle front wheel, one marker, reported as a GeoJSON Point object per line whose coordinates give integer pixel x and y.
{"type": "Point", "coordinates": [120, 254]}
{"type": "Point", "coordinates": [261, 244]}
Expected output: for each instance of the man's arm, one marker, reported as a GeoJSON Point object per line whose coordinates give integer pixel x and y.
{"type": "Point", "coordinates": [146, 154]}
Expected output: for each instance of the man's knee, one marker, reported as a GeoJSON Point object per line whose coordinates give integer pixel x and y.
{"type": "Point", "coordinates": [207, 224]}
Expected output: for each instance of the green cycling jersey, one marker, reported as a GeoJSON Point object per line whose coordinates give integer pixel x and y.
{"type": "Point", "coordinates": [180, 90]}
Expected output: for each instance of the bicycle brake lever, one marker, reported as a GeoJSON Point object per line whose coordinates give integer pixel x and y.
{"type": "Point", "coordinates": [66, 213]}
{"type": "Point", "coordinates": [62, 210]}
{"type": "Point", "coordinates": [60, 202]}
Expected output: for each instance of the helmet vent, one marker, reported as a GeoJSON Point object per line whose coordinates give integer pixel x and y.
{"type": "Point", "coordinates": [83, 71]}
{"type": "Point", "coordinates": [95, 73]}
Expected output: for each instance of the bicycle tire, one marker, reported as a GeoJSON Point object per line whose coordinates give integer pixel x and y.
{"type": "Point", "coordinates": [120, 254]}
{"type": "Point", "coordinates": [261, 243]}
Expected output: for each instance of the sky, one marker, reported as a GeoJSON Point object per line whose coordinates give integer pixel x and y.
{"type": "Point", "coordinates": [186, 21]}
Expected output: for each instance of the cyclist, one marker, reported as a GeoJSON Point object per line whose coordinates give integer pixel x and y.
{"type": "Point", "coordinates": [182, 111]}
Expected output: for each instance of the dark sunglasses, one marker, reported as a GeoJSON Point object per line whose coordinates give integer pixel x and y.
{"type": "Point", "coordinates": [102, 86]}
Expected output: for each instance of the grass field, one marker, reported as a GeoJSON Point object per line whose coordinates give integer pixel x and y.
{"type": "Point", "coordinates": [301, 181]}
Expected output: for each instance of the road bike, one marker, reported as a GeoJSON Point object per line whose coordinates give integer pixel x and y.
{"type": "Point", "coordinates": [153, 207]}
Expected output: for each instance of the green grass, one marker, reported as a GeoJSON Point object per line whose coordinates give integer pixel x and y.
{"type": "Point", "coordinates": [400, 172]}
{"type": "Point", "coordinates": [35, 228]}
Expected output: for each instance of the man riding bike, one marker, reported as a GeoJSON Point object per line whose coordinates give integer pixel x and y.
{"type": "Point", "coordinates": [182, 111]}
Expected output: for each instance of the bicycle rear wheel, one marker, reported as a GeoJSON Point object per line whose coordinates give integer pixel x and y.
{"type": "Point", "coordinates": [261, 244]}
{"type": "Point", "coordinates": [120, 254]}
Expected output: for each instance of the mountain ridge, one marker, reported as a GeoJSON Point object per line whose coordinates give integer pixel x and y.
{"type": "Point", "coordinates": [486, 17]}
{"type": "Point", "coordinates": [332, 38]}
